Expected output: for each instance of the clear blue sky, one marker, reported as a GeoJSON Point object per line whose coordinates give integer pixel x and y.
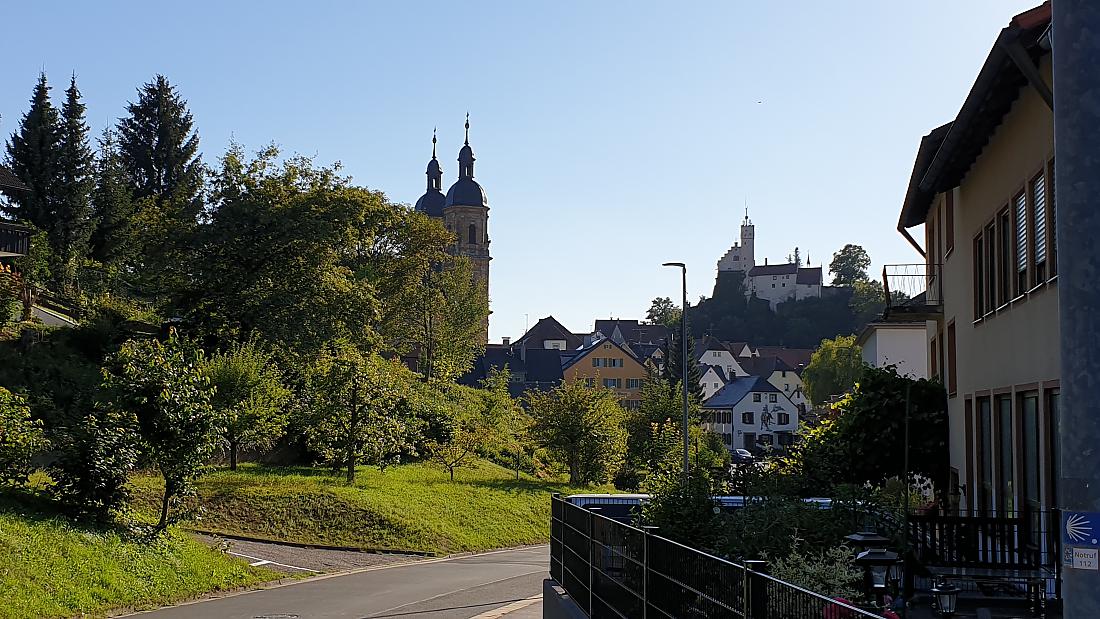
{"type": "Point", "coordinates": [610, 136]}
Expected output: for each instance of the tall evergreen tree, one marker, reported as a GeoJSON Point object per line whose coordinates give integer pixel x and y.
{"type": "Point", "coordinates": [674, 363]}
{"type": "Point", "coordinates": [72, 224]}
{"type": "Point", "coordinates": [159, 150]}
{"type": "Point", "coordinates": [159, 147]}
{"type": "Point", "coordinates": [33, 155]}
{"type": "Point", "coordinates": [112, 205]}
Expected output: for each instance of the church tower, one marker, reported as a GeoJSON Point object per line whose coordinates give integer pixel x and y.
{"type": "Point", "coordinates": [748, 242]}
{"type": "Point", "coordinates": [466, 214]}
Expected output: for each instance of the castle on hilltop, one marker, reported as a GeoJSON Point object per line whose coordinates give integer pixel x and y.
{"type": "Point", "coordinates": [775, 283]}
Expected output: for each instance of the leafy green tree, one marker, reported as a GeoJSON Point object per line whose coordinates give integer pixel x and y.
{"type": "Point", "coordinates": [33, 153]}
{"type": "Point", "coordinates": [11, 304]}
{"type": "Point", "coordinates": [249, 398]}
{"type": "Point", "coordinates": [97, 453]}
{"type": "Point", "coordinates": [864, 439]}
{"type": "Point", "coordinates": [287, 241]}
{"type": "Point", "coordinates": [112, 205]}
{"type": "Point", "coordinates": [868, 300]}
{"type": "Point", "coordinates": [834, 368]}
{"type": "Point", "coordinates": [581, 427]}
{"type": "Point", "coordinates": [71, 225]}
{"type": "Point", "coordinates": [664, 312]}
{"type": "Point", "coordinates": [450, 318]}
{"type": "Point", "coordinates": [683, 512]}
{"type": "Point", "coordinates": [21, 438]}
{"type": "Point", "coordinates": [849, 265]}
{"type": "Point", "coordinates": [162, 385]}
{"type": "Point", "coordinates": [361, 409]}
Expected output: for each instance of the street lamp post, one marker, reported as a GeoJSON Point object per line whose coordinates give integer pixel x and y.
{"type": "Point", "coordinates": [683, 356]}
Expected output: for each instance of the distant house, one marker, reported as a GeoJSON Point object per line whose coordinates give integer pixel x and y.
{"type": "Point", "coordinates": [14, 239]}
{"type": "Point", "coordinates": [712, 378]}
{"type": "Point", "coordinates": [782, 376]}
{"type": "Point", "coordinates": [750, 413]}
{"type": "Point", "coordinates": [551, 334]}
{"type": "Point", "coordinates": [609, 364]}
{"type": "Point", "coordinates": [529, 369]}
{"type": "Point", "coordinates": [797, 358]}
{"type": "Point", "coordinates": [710, 351]}
{"type": "Point", "coordinates": [631, 331]}
{"type": "Point", "coordinates": [896, 343]}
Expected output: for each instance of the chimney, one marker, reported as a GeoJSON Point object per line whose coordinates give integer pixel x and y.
{"type": "Point", "coordinates": [507, 341]}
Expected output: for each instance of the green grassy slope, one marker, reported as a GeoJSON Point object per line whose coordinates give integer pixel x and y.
{"type": "Point", "coordinates": [50, 568]}
{"type": "Point", "coordinates": [410, 507]}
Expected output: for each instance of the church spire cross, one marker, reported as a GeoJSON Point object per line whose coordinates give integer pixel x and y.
{"type": "Point", "coordinates": [433, 142]}
{"type": "Point", "coordinates": [467, 128]}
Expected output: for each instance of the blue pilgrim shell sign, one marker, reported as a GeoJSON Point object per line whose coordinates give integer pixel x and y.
{"type": "Point", "coordinates": [1081, 540]}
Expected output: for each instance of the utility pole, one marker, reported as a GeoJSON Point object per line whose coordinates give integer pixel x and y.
{"type": "Point", "coordinates": [684, 358]}
{"type": "Point", "coordinates": [1076, 57]}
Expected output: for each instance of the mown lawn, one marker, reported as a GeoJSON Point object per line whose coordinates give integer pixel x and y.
{"type": "Point", "coordinates": [52, 568]}
{"type": "Point", "coordinates": [410, 507]}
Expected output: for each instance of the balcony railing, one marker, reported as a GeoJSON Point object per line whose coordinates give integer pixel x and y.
{"type": "Point", "coordinates": [913, 291]}
{"type": "Point", "coordinates": [14, 239]}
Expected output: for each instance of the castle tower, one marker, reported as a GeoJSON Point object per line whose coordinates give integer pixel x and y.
{"type": "Point", "coordinates": [748, 256]}
{"type": "Point", "coordinates": [466, 214]}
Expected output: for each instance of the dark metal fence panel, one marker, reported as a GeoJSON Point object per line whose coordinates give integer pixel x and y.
{"type": "Point", "coordinates": [616, 571]}
{"type": "Point", "coordinates": [1007, 541]}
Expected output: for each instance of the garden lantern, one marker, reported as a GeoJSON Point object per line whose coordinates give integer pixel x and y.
{"type": "Point", "coordinates": [879, 567]}
{"type": "Point", "coordinates": [947, 597]}
{"type": "Point", "coordinates": [866, 540]}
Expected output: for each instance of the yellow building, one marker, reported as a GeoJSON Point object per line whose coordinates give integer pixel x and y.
{"type": "Point", "coordinates": [607, 364]}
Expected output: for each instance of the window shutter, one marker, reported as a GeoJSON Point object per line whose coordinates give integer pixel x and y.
{"type": "Point", "coordinates": [1021, 233]}
{"type": "Point", "coordinates": [1039, 204]}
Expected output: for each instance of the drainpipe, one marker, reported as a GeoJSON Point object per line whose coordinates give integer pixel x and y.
{"type": "Point", "coordinates": [1076, 55]}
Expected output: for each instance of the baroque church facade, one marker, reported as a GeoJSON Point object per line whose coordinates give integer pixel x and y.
{"type": "Point", "coordinates": [464, 210]}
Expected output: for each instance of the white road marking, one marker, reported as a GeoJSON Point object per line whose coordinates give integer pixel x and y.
{"type": "Point", "coordinates": [504, 610]}
{"type": "Point", "coordinates": [260, 561]}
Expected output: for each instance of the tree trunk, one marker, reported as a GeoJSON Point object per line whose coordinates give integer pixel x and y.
{"type": "Point", "coordinates": [353, 428]}
{"type": "Point", "coordinates": [165, 500]}
{"type": "Point", "coordinates": [452, 470]}
{"type": "Point", "coordinates": [232, 456]}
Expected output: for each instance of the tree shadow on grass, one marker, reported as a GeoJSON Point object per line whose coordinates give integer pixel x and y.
{"type": "Point", "coordinates": [36, 506]}
{"type": "Point", "coordinates": [520, 486]}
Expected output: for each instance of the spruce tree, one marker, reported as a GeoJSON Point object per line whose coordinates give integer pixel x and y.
{"type": "Point", "coordinates": [112, 205]}
{"type": "Point", "coordinates": [159, 148]}
{"type": "Point", "coordinates": [674, 364]}
{"type": "Point", "coordinates": [72, 223]}
{"type": "Point", "coordinates": [33, 156]}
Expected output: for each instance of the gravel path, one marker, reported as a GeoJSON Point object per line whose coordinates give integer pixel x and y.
{"type": "Point", "coordinates": [298, 560]}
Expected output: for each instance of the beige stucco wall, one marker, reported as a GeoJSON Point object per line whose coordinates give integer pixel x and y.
{"type": "Point", "coordinates": [1018, 345]}
{"type": "Point", "coordinates": [583, 369]}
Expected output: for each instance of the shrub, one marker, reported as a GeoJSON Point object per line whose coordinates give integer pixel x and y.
{"type": "Point", "coordinates": [21, 438]}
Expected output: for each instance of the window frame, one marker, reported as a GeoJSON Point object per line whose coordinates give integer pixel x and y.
{"type": "Point", "coordinates": [952, 361]}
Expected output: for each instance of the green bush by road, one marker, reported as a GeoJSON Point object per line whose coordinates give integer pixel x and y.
{"type": "Point", "coordinates": [51, 568]}
{"type": "Point", "coordinates": [409, 507]}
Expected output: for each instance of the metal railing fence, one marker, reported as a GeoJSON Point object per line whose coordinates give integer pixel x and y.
{"type": "Point", "coordinates": [618, 571]}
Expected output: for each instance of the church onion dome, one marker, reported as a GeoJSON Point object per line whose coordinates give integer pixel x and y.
{"type": "Point", "coordinates": [431, 203]}
{"type": "Point", "coordinates": [466, 191]}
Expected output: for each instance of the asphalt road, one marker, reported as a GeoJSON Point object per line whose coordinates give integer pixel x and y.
{"type": "Point", "coordinates": [453, 588]}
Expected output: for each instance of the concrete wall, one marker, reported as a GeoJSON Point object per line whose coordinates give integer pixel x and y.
{"type": "Point", "coordinates": [902, 345]}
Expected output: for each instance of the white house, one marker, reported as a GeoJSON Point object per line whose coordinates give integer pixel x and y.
{"type": "Point", "coordinates": [709, 351]}
{"type": "Point", "coordinates": [777, 283]}
{"type": "Point", "coordinates": [782, 376]}
{"type": "Point", "coordinates": [896, 343]}
{"type": "Point", "coordinates": [750, 413]}
{"type": "Point", "coordinates": [713, 378]}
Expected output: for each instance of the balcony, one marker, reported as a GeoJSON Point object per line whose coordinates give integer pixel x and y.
{"type": "Point", "coordinates": [912, 292]}
{"type": "Point", "coordinates": [14, 239]}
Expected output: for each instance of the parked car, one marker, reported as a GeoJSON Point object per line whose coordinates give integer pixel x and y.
{"type": "Point", "coordinates": [743, 456]}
